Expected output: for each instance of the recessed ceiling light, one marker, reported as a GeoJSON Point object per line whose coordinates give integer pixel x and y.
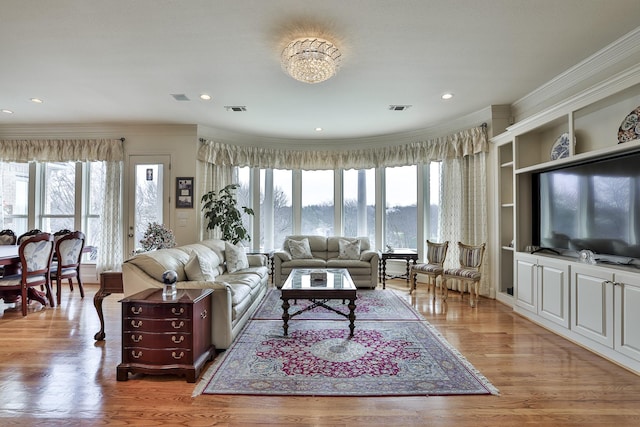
{"type": "Point", "coordinates": [36, 100]}
{"type": "Point", "coordinates": [205, 97]}
{"type": "Point", "coordinates": [7, 111]}
{"type": "Point", "coordinates": [447, 96]}
{"type": "Point", "coordinates": [318, 129]}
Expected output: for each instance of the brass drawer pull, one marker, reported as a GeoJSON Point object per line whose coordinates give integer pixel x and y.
{"type": "Point", "coordinates": [136, 310]}
{"type": "Point", "coordinates": [136, 325]}
{"type": "Point", "coordinates": [176, 311]}
{"type": "Point", "coordinates": [136, 356]}
{"type": "Point", "coordinates": [134, 339]}
{"type": "Point", "coordinates": [204, 314]}
{"type": "Point", "coordinates": [177, 340]}
{"type": "Point", "coordinates": [178, 356]}
{"type": "Point", "coordinates": [177, 326]}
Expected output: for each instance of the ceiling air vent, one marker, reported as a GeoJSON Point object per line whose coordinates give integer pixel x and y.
{"type": "Point", "coordinates": [237, 108]}
{"type": "Point", "coordinates": [180, 97]}
{"type": "Point", "coordinates": [399, 107]}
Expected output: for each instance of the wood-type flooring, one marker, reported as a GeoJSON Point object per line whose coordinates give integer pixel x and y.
{"type": "Point", "coordinates": [52, 373]}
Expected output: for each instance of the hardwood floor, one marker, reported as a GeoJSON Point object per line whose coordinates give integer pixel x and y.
{"type": "Point", "coordinates": [52, 372]}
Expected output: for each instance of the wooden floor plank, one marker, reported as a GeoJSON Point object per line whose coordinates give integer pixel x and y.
{"type": "Point", "coordinates": [52, 372]}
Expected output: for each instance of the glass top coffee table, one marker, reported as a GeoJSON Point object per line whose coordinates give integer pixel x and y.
{"type": "Point", "coordinates": [319, 286]}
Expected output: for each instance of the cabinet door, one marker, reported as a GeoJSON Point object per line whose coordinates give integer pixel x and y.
{"type": "Point", "coordinates": [553, 291]}
{"type": "Point", "coordinates": [627, 318]}
{"type": "Point", "coordinates": [526, 277]}
{"type": "Point", "coordinates": [592, 298]}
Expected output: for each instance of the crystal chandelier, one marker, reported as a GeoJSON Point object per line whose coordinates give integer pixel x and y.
{"type": "Point", "coordinates": [310, 60]}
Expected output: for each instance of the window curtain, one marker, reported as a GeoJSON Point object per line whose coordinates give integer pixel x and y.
{"type": "Point", "coordinates": [214, 177]}
{"type": "Point", "coordinates": [461, 144]}
{"type": "Point", "coordinates": [110, 151]}
{"type": "Point", "coordinates": [463, 211]}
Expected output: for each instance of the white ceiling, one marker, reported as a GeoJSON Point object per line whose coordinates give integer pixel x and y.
{"type": "Point", "coordinates": [119, 61]}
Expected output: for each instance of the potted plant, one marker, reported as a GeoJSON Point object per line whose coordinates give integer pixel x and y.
{"type": "Point", "coordinates": [157, 236]}
{"type": "Point", "coordinates": [221, 211]}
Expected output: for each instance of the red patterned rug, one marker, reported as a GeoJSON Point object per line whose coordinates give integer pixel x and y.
{"type": "Point", "coordinates": [384, 358]}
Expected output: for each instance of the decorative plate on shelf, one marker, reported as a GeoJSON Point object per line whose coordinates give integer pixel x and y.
{"type": "Point", "coordinates": [630, 127]}
{"type": "Point", "coordinates": [560, 148]}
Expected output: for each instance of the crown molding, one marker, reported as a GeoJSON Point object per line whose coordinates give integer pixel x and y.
{"type": "Point", "coordinates": [614, 58]}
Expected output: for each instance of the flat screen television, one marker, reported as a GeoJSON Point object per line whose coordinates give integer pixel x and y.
{"type": "Point", "coordinates": [593, 205]}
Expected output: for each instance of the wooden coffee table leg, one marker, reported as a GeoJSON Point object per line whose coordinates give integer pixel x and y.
{"type": "Point", "coordinates": [285, 315]}
{"type": "Point", "coordinates": [352, 316]}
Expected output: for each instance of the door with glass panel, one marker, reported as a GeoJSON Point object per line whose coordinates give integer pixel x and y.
{"type": "Point", "coordinates": [149, 196]}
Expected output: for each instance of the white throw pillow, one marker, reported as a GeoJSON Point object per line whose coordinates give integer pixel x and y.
{"type": "Point", "coordinates": [236, 257]}
{"type": "Point", "coordinates": [199, 268]}
{"type": "Point", "coordinates": [349, 249]}
{"type": "Point", "coordinates": [299, 249]}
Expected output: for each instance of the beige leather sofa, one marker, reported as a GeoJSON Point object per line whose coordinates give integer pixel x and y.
{"type": "Point", "coordinates": [326, 253]}
{"type": "Point", "coordinates": [236, 294]}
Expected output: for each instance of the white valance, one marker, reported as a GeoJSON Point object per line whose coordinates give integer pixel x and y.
{"type": "Point", "coordinates": [61, 150]}
{"type": "Point", "coordinates": [461, 144]}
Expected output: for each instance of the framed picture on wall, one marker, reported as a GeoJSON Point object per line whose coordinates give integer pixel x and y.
{"type": "Point", "coordinates": [184, 192]}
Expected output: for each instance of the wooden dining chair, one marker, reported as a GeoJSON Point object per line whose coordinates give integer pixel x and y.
{"type": "Point", "coordinates": [35, 259]}
{"type": "Point", "coordinates": [8, 237]}
{"type": "Point", "coordinates": [433, 268]}
{"type": "Point", "coordinates": [27, 235]}
{"type": "Point", "coordinates": [68, 252]}
{"type": "Point", "coordinates": [468, 274]}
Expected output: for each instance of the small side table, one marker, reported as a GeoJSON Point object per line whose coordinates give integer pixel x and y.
{"type": "Point", "coordinates": [110, 282]}
{"type": "Point", "coordinates": [171, 336]}
{"type": "Point", "coordinates": [405, 254]}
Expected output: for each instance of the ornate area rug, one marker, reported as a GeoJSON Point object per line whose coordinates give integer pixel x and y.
{"type": "Point", "coordinates": [371, 305]}
{"type": "Point", "coordinates": [384, 358]}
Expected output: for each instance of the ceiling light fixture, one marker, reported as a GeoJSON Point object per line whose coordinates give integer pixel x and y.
{"type": "Point", "coordinates": [205, 97]}
{"type": "Point", "coordinates": [36, 100]}
{"type": "Point", "coordinates": [7, 111]}
{"type": "Point", "coordinates": [447, 96]}
{"type": "Point", "coordinates": [310, 60]}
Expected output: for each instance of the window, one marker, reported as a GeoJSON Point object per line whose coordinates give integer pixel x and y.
{"type": "Point", "coordinates": [317, 202]}
{"type": "Point", "coordinates": [70, 195]}
{"type": "Point", "coordinates": [58, 196]}
{"type": "Point", "coordinates": [304, 202]}
{"type": "Point", "coordinates": [15, 196]}
{"type": "Point", "coordinates": [93, 193]}
{"type": "Point", "coordinates": [401, 213]}
{"type": "Point", "coordinates": [359, 197]}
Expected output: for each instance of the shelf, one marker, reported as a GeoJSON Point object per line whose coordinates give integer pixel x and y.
{"type": "Point", "coordinates": [507, 164]}
{"type": "Point", "coordinates": [507, 248]}
{"type": "Point", "coordinates": [507, 205]}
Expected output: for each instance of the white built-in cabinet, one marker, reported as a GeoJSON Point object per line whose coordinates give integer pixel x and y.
{"type": "Point", "coordinates": [597, 306]}
{"type": "Point", "coordinates": [543, 287]}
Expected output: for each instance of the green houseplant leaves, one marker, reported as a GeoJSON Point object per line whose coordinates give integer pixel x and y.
{"type": "Point", "coordinates": [221, 211]}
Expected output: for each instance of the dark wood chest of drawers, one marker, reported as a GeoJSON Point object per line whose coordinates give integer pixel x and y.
{"type": "Point", "coordinates": [166, 336]}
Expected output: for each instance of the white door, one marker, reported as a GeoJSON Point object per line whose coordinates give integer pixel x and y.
{"type": "Point", "coordinates": [592, 298]}
{"type": "Point", "coordinates": [627, 315]}
{"type": "Point", "coordinates": [149, 195]}
{"type": "Point", "coordinates": [526, 288]}
{"type": "Point", "coordinates": [553, 288]}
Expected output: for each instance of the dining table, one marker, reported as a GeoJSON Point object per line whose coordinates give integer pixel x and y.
{"type": "Point", "coordinates": [10, 261]}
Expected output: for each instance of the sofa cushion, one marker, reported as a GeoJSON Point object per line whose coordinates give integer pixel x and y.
{"type": "Point", "coordinates": [349, 249]}
{"type": "Point", "coordinates": [154, 263]}
{"type": "Point", "coordinates": [236, 257]}
{"type": "Point", "coordinates": [201, 267]}
{"type": "Point", "coordinates": [299, 249]}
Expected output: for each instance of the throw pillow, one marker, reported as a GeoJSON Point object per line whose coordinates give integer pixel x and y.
{"type": "Point", "coordinates": [299, 249]}
{"type": "Point", "coordinates": [236, 257]}
{"type": "Point", "coordinates": [199, 269]}
{"type": "Point", "coordinates": [349, 249]}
